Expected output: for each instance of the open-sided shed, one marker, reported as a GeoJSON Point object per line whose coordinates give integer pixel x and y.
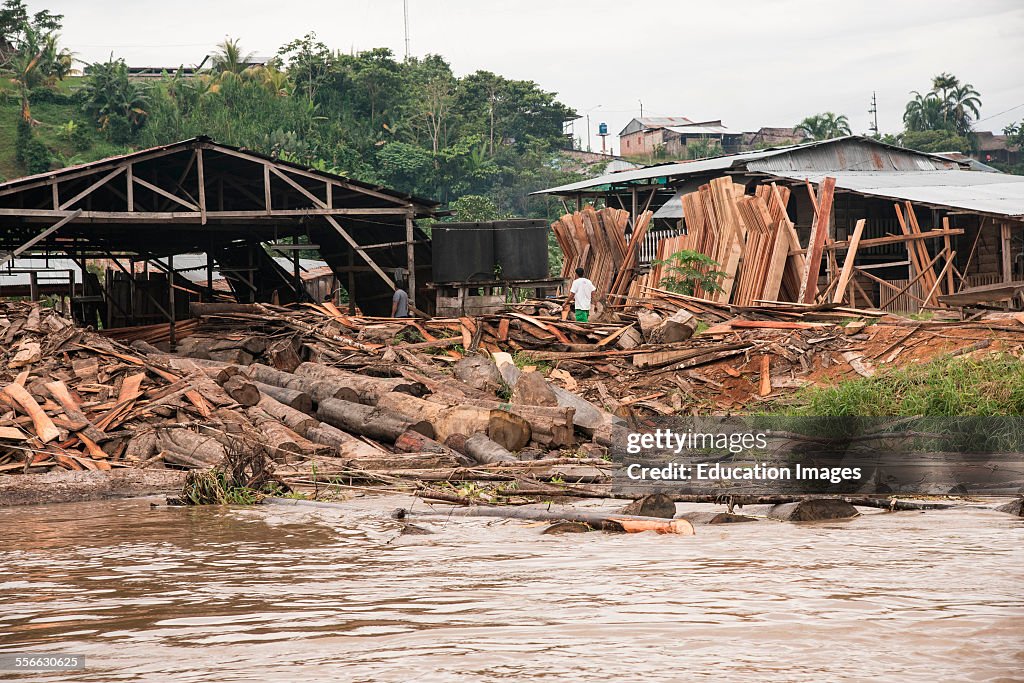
{"type": "Point", "coordinates": [202, 196]}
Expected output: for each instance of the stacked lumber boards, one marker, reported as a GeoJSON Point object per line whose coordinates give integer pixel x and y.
{"type": "Point", "coordinates": [750, 238]}
{"type": "Point", "coordinates": [596, 241]}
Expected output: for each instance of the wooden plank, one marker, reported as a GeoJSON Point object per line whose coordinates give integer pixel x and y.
{"type": "Point", "coordinates": [766, 375]}
{"type": "Point", "coordinates": [851, 256]}
{"type": "Point", "coordinates": [41, 422]}
{"type": "Point", "coordinates": [819, 233]}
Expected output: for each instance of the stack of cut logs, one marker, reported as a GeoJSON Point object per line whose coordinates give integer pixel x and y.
{"type": "Point", "coordinates": [77, 400]}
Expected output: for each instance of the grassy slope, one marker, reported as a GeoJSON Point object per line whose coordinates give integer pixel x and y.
{"type": "Point", "coordinates": [49, 116]}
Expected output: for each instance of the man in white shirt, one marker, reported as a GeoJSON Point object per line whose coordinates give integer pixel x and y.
{"type": "Point", "coordinates": [580, 293]}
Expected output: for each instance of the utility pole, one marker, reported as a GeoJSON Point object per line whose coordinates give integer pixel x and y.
{"type": "Point", "coordinates": [405, 7]}
{"type": "Point", "coordinates": [874, 112]}
{"type": "Point", "coordinates": [588, 132]}
{"type": "Point", "coordinates": [641, 108]}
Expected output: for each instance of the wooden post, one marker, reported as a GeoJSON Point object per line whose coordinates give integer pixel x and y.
{"type": "Point", "coordinates": [172, 337]}
{"type": "Point", "coordinates": [351, 287]}
{"type": "Point", "coordinates": [202, 188]}
{"type": "Point", "coordinates": [410, 257]}
{"type": "Point", "coordinates": [1004, 234]}
{"type": "Point", "coordinates": [851, 255]}
{"type": "Point", "coordinates": [33, 286]}
{"type": "Point", "coordinates": [295, 269]}
{"type": "Point", "coordinates": [130, 173]}
{"type": "Point", "coordinates": [266, 188]}
{"type": "Point", "coordinates": [209, 272]}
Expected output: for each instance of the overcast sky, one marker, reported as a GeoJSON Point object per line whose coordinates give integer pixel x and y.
{"type": "Point", "coordinates": [750, 63]}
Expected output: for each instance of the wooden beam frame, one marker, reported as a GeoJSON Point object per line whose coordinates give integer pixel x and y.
{"type": "Point", "coordinates": [163, 193]}
{"type": "Point", "coordinates": [92, 188]}
{"type": "Point", "coordinates": [39, 238]}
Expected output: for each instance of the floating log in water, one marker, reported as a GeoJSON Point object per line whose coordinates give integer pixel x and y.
{"type": "Point", "coordinates": [607, 522]}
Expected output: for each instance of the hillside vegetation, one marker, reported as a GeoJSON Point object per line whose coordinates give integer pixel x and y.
{"type": "Point", "coordinates": [480, 142]}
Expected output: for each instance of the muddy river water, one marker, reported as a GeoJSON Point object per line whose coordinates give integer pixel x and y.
{"type": "Point", "coordinates": [295, 594]}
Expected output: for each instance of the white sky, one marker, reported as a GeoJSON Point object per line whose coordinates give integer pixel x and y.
{"type": "Point", "coordinates": [750, 63]}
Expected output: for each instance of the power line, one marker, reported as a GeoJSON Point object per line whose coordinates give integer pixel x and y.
{"type": "Point", "coordinates": [1000, 113]}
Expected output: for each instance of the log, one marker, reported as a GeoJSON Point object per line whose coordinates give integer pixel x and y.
{"type": "Point", "coordinates": [480, 448]}
{"type": "Point", "coordinates": [414, 442]}
{"type": "Point", "coordinates": [511, 431]}
{"type": "Point", "coordinates": [284, 354]}
{"type": "Point", "coordinates": [245, 393]}
{"type": "Point", "coordinates": [295, 420]}
{"type": "Point", "coordinates": [369, 389]}
{"type": "Point", "coordinates": [187, 448]}
{"type": "Point", "coordinates": [141, 446]}
{"type": "Point", "coordinates": [197, 308]}
{"type": "Point", "coordinates": [533, 390]}
{"type": "Point", "coordinates": [345, 444]}
{"type": "Point", "coordinates": [376, 423]}
{"type": "Point", "coordinates": [680, 326]}
{"type": "Point", "coordinates": [318, 389]}
{"type": "Point", "coordinates": [298, 400]}
{"type": "Point", "coordinates": [41, 422]}
{"type": "Point", "coordinates": [549, 425]}
{"type": "Point", "coordinates": [478, 372]}
{"type": "Point", "coordinates": [592, 420]}
{"type": "Point", "coordinates": [282, 443]}
{"type": "Point", "coordinates": [608, 522]}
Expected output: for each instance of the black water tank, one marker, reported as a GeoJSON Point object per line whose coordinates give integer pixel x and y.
{"type": "Point", "coordinates": [521, 249]}
{"type": "Point", "coordinates": [462, 251]}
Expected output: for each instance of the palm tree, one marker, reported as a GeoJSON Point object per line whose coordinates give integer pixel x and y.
{"type": "Point", "coordinates": [963, 104]}
{"type": "Point", "coordinates": [943, 84]}
{"type": "Point", "coordinates": [230, 58]}
{"type": "Point", "coordinates": [824, 126]}
{"type": "Point", "coordinates": [924, 112]}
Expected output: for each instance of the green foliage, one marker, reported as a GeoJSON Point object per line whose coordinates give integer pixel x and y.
{"type": "Point", "coordinates": [117, 105]}
{"type": "Point", "coordinates": [1015, 134]}
{"type": "Point", "coordinates": [475, 207]}
{"type": "Point", "coordinates": [704, 148]}
{"type": "Point", "coordinates": [945, 387]}
{"type": "Point", "coordinates": [824, 126]}
{"type": "Point", "coordinates": [935, 141]}
{"type": "Point", "coordinates": [30, 152]}
{"type": "Point", "coordinates": [687, 271]}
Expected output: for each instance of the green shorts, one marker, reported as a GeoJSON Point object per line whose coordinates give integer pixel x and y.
{"type": "Point", "coordinates": [582, 316]}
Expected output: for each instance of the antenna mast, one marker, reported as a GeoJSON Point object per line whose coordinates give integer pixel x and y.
{"type": "Point", "coordinates": [874, 112]}
{"type": "Point", "coordinates": [405, 7]}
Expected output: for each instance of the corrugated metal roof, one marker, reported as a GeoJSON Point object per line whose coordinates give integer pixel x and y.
{"type": "Point", "coordinates": [701, 130]}
{"type": "Point", "coordinates": [41, 264]}
{"type": "Point", "coordinates": [847, 153]}
{"type": "Point", "coordinates": [991, 193]}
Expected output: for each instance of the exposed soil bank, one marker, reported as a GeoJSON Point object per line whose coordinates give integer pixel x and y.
{"type": "Point", "coordinates": [61, 486]}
